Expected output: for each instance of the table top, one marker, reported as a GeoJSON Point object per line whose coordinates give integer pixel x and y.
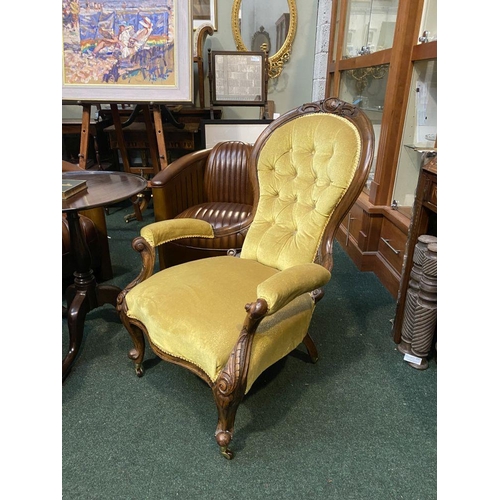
{"type": "Point", "coordinates": [103, 188]}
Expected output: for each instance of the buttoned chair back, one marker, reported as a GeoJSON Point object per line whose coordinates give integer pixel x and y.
{"type": "Point", "coordinates": [305, 165]}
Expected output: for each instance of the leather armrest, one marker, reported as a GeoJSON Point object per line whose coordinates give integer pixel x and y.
{"type": "Point", "coordinates": [169, 185]}
{"type": "Point", "coordinates": [282, 287]}
{"type": "Point", "coordinates": [196, 159]}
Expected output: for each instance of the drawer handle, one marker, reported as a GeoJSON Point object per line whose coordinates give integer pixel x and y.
{"type": "Point", "coordinates": [390, 246]}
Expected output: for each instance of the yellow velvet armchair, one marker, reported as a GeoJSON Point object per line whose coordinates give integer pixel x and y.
{"type": "Point", "coordinates": [229, 318]}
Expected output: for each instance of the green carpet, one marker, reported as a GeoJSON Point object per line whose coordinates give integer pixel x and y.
{"type": "Point", "coordinates": [359, 424]}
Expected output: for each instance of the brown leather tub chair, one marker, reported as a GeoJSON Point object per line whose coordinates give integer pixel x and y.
{"type": "Point", "coordinates": [211, 185]}
{"type": "Point", "coordinates": [93, 224]}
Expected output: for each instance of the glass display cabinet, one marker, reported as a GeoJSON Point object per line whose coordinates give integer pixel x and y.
{"type": "Point", "coordinates": [419, 134]}
{"type": "Point", "coordinates": [383, 58]}
{"type": "Point", "coordinates": [366, 87]}
{"type": "Point", "coordinates": [370, 26]}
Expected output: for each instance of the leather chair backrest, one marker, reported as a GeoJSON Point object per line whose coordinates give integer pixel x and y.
{"type": "Point", "coordinates": [304, 168]}
{"type": "Point", "coordinates": [226, 174]}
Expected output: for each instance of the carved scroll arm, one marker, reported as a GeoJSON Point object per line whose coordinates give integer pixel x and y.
{"type": "Point", "coordinates": [229, 388]}
{"type": "Point", "coordinates": [274, 293]}
{"type": "Point", "coordinates": [156, 234]}
{"type": "Point", "coordinates": [281, 288]}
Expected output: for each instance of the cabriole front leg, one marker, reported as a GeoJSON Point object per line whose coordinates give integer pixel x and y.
{"type": "Point", "coordinates": [229, 388]}
{"type": "Point", "coordinates": [136, 354]}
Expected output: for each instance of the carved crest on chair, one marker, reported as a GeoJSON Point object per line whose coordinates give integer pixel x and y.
{"type": "Point", "coordinates": [331, 105]}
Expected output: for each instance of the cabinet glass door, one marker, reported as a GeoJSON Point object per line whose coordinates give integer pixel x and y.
{"type": "Point", "coordinates": [428, 26]}
{"type": "Point", "coordinates": [419, 134]}
{"type": "Point", "coordinates": [370, 26]}
{"type": "Point", "coordinates": [365, 87]}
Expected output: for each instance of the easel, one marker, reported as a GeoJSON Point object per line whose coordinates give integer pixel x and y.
{"type": "Point", "coordinates": [84, 137]}
{"type": "Point", "coordinates": [155, 135]}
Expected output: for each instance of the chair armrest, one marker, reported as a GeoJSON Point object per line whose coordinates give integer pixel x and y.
{"type": "Point", "coordinates": [282, 287]}
{"type": "Point", "coordinates": [164, 231]}
{"type": "Point", "coordinates": [169, 185]}
{"type": "Point", "coordinates": [177, 167]}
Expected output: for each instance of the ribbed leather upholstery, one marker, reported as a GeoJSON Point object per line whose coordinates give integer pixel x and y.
{"type": "Point", "coordinates": [226, 175]}
{"type": "Point", "coordinates": [227, 201]}
{"type": "Point", "coordinates": [219, 214]}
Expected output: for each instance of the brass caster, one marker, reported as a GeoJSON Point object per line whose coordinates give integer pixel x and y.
{"type": "Point", "coordinates": [226, 452]}
{"type": "Point", "coordinates": [139, 370]}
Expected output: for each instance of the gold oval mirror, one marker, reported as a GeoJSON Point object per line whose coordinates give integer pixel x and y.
{"type": "Point", "coordinates": [259, 23]}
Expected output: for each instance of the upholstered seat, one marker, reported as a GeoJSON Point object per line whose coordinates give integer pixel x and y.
{"type": "Point", "coordinates": [229, 318]}
{"type": "Point", "coordinates": [211, 185]}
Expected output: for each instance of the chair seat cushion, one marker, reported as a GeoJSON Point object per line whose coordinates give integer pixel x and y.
{"type": "Point", "coordinates": [220, 215]}
{"type": "Point", "coordinates": [182, 323]}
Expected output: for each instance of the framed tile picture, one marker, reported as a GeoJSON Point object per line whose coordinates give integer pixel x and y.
{"type": "Point", "coordinates": [127, 52]}
{"type": "Point", "coordinates": [238, 78]}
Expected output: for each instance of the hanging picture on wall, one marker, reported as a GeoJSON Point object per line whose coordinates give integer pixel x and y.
{"type": "Point", "coordinates": [127, 52]}
{"type": "Point", "coordinates": [205, 11]}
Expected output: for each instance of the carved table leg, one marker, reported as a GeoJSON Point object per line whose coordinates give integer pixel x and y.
{"type": "Point", "coordinates": [76, 317]}
{"type": "Point", "coordinates": [84, 294]}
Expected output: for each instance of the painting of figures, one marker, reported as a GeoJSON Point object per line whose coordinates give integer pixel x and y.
{"type": "Point", "coordinates": [126, 50]}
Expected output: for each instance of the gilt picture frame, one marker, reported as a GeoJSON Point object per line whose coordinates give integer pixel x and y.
{"type": "Point", "coordinates": [134, 52]}
{"type": "Point", "coordinates": [204, 11]}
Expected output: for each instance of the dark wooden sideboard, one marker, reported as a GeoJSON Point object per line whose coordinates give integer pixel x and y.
{"type": "Point", "coordinates": [424, 221]}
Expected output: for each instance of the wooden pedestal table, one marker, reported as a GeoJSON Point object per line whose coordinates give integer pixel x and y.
{"type": "Point", "coordinates": [84, 295]}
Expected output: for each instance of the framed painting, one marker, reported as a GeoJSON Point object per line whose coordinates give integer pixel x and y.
{"type": "Point", "coordinates": [127, 52]}
{"type": "Point", "coordinates": [204, 11]}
